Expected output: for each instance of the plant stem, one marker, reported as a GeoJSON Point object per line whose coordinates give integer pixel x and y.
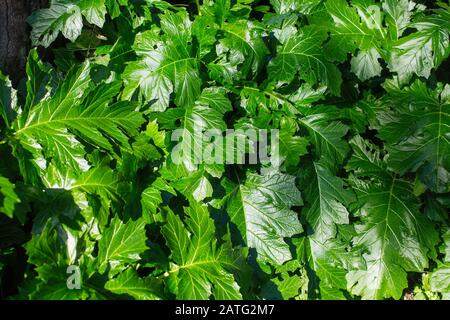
{"type": "Point", "coordinates": [197, 3]}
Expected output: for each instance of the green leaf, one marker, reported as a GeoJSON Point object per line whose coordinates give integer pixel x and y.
{"type": "Point", "coordinates": [254, 99]}
{"type": "Point", "coordinates": [327, 200]}
{"type": "Point", "coordinates": [417, 133]}
{"type": "Point", "coordinates": [8, 100]}
{"type": "Point", "coordinates": [164, 66]}
{"type": "Point", "coordinates": [446, 237]}
{"type": "Point", "coordinates": [287, 6]}
{"type": "Point", "coordinates": [326, 135]}
{"type": "Point", "coordinates": [393, 233]}
{"type": "Point", "coordinates": [121, 243]}
{"type": "Point", "coordinates": [8, 197]}
{"type": "Point", "coordinates": [301, 51]}
{"type": "Point", "coordinates": [196, 186]}
{"type": "Point", "coordinates": [398, 15]}
{"type": "Point", "coordinates": [129, 283]}
{"type": "Point", "coordinates": [243, 46]}
{"type": "Point", "coordinates": [284, 286]}
{"type": "Point", "coordinates": [206, 113]}
{"type": "Point", "coordinates": [63, 16]}
{"type": "Point", "coordinates": [94, 11]}
{"type": "Point", "coordinates": [353, 27]}
{"type": "Point", "coordinates": [329, 261]}
{"type": "Point", "coordinates": [420, 52]}
{"type": "Point", "coordinates": [260, 210]}
{"type": "Point", "coordinates": [38, 78]}
{"type": "Point", "coordinates": [365, 64]}
{"type": "Point", "coordinates": [113, 7]}
{"type": "Point", "coordinates": [366, 159]}
{"type": "Point", "coordinates": [151, 196]}
{"type": "Point", "coordinates": [201, 267]}
{"type": "Point", "coordinates": [292, 146]}
{"type": "Point", "coordinates": [48, 253]}
{"type": "Point", "coordinates": [154, 86]}
{"type": "Point", "coordinates": [71, 115]}
{"type": "Point", "coordinates": [97, 184]}
{"type": "Point", "coordinates": [56, 290]}
{"type": "Point", "coordinates": [205, 33]}
{"type": "Point", "coordinates": [440, 279]}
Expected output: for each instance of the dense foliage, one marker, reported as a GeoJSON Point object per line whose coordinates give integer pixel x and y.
{"type": "Point", "coordinates": [359, 207]}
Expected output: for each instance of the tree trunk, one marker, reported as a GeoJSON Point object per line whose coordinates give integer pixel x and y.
{"type": "Point", "coordinates": [14, 35]}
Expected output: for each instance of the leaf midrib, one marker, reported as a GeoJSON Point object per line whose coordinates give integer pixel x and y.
{"type": "Point", "coordinates": [72, 119]}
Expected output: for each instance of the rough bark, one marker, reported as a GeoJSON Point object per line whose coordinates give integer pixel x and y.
{"type": "Point", "coordinates": [14, 35]}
